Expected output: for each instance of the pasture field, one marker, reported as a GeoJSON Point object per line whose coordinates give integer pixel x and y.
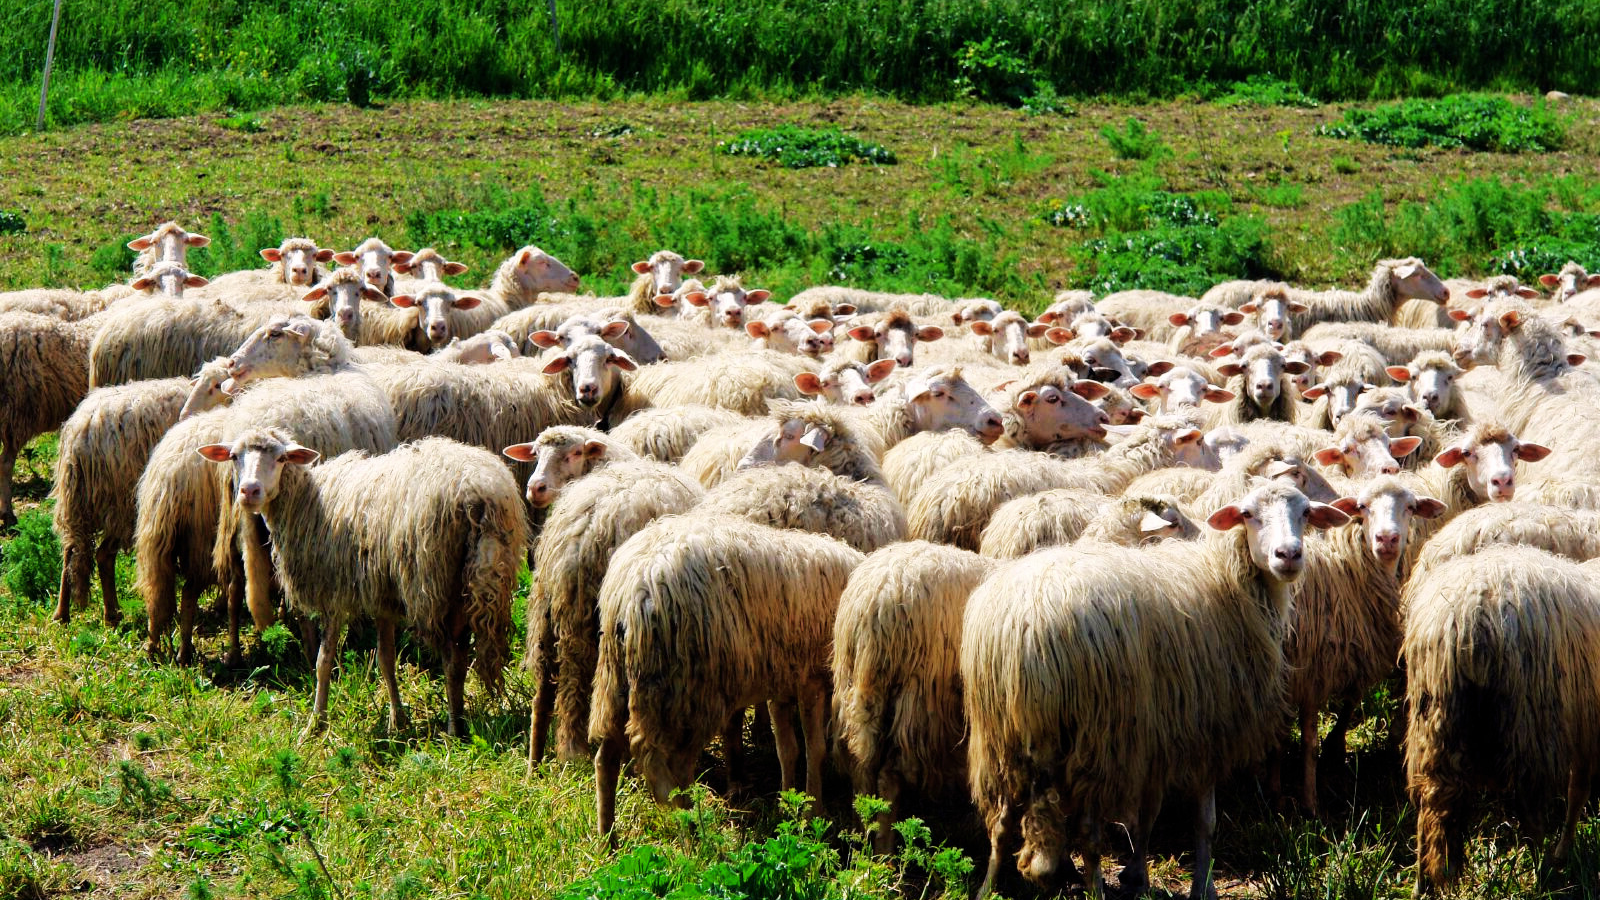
{"type": "Point", "coordinates": [133, 779]}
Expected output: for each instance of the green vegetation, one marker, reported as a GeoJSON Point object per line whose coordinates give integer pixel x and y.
{"type": "Point", "coordinates": [1473, 121]}
{"type": "Point", "coordinates": [1135, 141]}
{"type": "Point", "coordinates": [1264, 90]}
{"type": "Point", "coordinates": [11, 223]}
{"type": "Point", "coordinates": [120, 59]}
{"type": "Point", "coordinates": [802, 148]}
{"type": "Point", "coordinates": [31, 561]}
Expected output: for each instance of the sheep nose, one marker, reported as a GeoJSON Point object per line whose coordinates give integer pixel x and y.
{"type": "Point", "coordinates": [1430, 400]}
{"type": "Point", "coordinates": [863, 398]}
{"type": "Point", "coordinates": [1289, 554]}
{"type": "Point", "coordinates": [250, 493]}
{"type": "Point", "coordinates": [572, 284]}
{"type": "Point", "coordinates": [345, 316]}
{"type": "Point", "coordinates": [539, 493]}
{"type": "Point", "coordinates": [1389, 468]}
{"type": "Point", "coordinates": [1502, 487]}
{"type": "Point", "coordinates": [1020, 357]}
{"type": "Point", "coordinates": [991, 425]}
{"type": "Point", "coordinates": [1388, 538]}
{"type": "Point", "coordinates": [903, 360]}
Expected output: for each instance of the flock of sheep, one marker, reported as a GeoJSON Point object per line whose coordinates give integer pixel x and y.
{"type": "Point", "coordinates": [1069, 566]}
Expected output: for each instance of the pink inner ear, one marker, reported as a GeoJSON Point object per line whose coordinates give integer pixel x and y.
{"type": "Point", "coordinates": [808, 383]}
{"type": "Point", "coordinates": [520, 452]}
{"type": "Point", "coordinates": [1225, 518]}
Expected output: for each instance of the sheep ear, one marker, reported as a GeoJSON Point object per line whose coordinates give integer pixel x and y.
{"type": "Point", "coordinates": [1410, 413]}
{"type": "Point", "coordinates": [1230, 369]}
{"type": "Point", "coordinates": [915, 388]}
{"type": "Point", "coordinates": [1158, 368]}
{"type": "Point", "coordinates": [1048, 317]}
{"type": "Point", "coordinates": [1151, 523]}
{"type": "Point", "coordinates": [929, 333]}
{"type": "Point", "coordinates": [1404, 446]}
{"type": "Point", "coordinates": [1449, 458]}
{"type": "Point", "coordinates": [1026, 400]}
{"type": "Point", "coordinates": [1216, 394]}
{"type": "Point", "coordinates": [1232, 318]}
{"type": "Point", "coordinates": [1329, 456]}
{"type": "Point", "coordinates": [1329, 357]}
{"type": "Point", "coordinates": [815, 438]}
{"type": "Point", "coordinates": [809, 383]}
{"type": "Point", "coordinates": [756, 296]}
{"type": "Point", "coordinates": [345, 258]}
{"type": "Point", "coordinates": [1428, 508]}
{"type": "Point", "coordinates": [1459, 315]}
{"type": "Point", "coordinates": [757, 330]}
{"type": "Point", "coordinates": [323, 255]}
{"type": "Point", "coordinates": [301, 330]}
{"type": "Point", "coordinates": [1145, 391]}
{"type": "Point", "coordinates": [981, 327]}
{"type": "Point", "coordinates": [844, 309]}
{"type": "Point", "coordinates": [1058, 335]}
{"type": "Point", "coordinates": [820, 326]}
{"type": "Point", "coordinates": [197, 240]}
{"type": "Point", "coordinates": [374, 295]}
{"type": "Point", "coordinates": [300, 456]}
{"type": "Point", "coordinates": [691, 266]}
{"type": "Point", "coordinates": [641, 268]}
{"type": "Point", "coordinates": [863, 333]}
{"type": "Point", "coordinates": [557, 366]}
{"type": "Point", "coordinates": [1405, 271]}
{"type": "Point", "coordinates": [1296, 367]}
{"type": "Point", "coordinates": [880, 370]}
{"type": "Point", "coordinates": [454, 268]}
{"type": "Point", "coordinates": [1123, 334]}
{"type": "Point", "coordinates": [1250, 307]}
{"type": "Point", "coordinates": [1315, 391]}
{"type": "Point", "coordinates": [1037, 330]}
{"type": "Point", "coordinates": [404, 301]}
{"type": "Point", "coordinates": [142, 284]}
{"type": "Point", "coordinates": [315, 294]}
{"type": "Point", "coordinates": [467, 301]}
{"type": "Point", "coordinates": [1532, 452]}
{"type": "Point", "coordinates": [1347, 505]}
{"type": "Point", "coordinates": [1594, 281]}
{"type": "Point", "coordinates": [1278, 468]}
{"type": "Point", "coordinates": [697, 298]}
{"type": "Point", "coordinates": [1089, 390]}
{"type": "Point", "coordinates": [400, 257]}
{"type": "Point", "coordinates": [402, 268]}
{"type": "Point", "coordinates": [1321, 515]}
{"type": "Point", "coordinates": [1179, 319]}
{"type": "Point", "coordinates": [141, 244]}
{"type": "Point", "coordinates": [271, 254]}
{"type": "Point", "coordinates": [1528, 293]}
{"type": "Point", "coordinates": [1575, 359]}
{"type": "Point", "coordinates": [1226, 518]}
{"type": "Point", "coordinates": [521, 452]}
{"type": "Point", "coordinates": [621, 360]}
{"type": "Point", "coordinates": [614, 330]}
{"type": "Point", "coordinates": [1399, 373]}
{"type": "Point", "coordinates": [955, 317]}
{"type": "Point", "coordinates": [1549, 281]}
{"type": "Point", "coordinates": [216, 452]}
{"type": "Point", "coordinates": [664, 300]}
{"type": "Point", "coordinates": [594, 450]}
{"type": "Point", "coordinates": [1187, 436]}
{"type": "Point", "coordinates": [1477, 293]}
{"type": "Point", "coordinates": [1221, 350]}
{"type": "Point", "coordinates": [1296, 306]}
{"type": "Point", "coordinates": [545, 339]}
{"type": "Point", "coordinates": [1135, 415]}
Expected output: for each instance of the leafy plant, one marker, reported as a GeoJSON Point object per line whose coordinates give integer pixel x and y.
{"type": "Point", "coordinates": [991, 72]}
{"type": "Point", "coordinates": [1044, 101]}
{"type": "Point", "coordinates": [1474, 121]}
{"type": "Point", "coordinates": [32, 559]}
{"type": "Point", "coordinates": [1135, 141]}
{"type": "Point", "coordinates": [245, 122]}
{"type": "Point", "coordinates": [1344, 165]}
{"type": "Point", "coordinates": [1265, 90]}
{"type": "Point", "coordinates": [12, 223]}
{"type": "Point", "coordinates": [800, 148]}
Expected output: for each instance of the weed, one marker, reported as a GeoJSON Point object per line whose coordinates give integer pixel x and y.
{"type": "Point", "coordinates": [1044, 101]}
{"type": "Point", "coordinates": [245, 122]}
{"type": "Point", "coordinates": [1344, 165]}
{"type": "Point", "coordinates": [990, 71]}
{"type": "Point", "coordinates": [1264, 90]}
{"type": "Point", "coordinates": [1473, 121]}
{"type": "Point", "coordinates": [32, 559]}
{"type": "Point", "coordinates": [12, 223]}
{"type": "Point", "coordinates": [1135, 141]}
{"type": "Point", "coordinates": [1280, 196]}
{"type": "Point", "coordinates": [801, 148]}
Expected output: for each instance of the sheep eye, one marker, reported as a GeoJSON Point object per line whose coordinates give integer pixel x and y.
{"type": "Point", "coordinates": [1246, 514]}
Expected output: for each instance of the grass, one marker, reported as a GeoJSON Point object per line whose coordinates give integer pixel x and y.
{"type": "Point", "coordinates": [1472, 121]}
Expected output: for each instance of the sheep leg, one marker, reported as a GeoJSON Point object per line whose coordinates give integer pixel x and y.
{"type": "Point", "coordinates": [1205, 825]}
{"type": "Point", "coordinates": [782, 714]}
{"type": "Point", "coordinates": [1308, 757]}
{"type": "Point", "coordinates": [331, 632]}
{"type": "Point", "coordinates": [544, 702]}
{"type": "Point", "coordinates": [234, 591]}
{"type": "Point", "coordinates": [1135, 876]}
{"type": "Point", "coordinates": [889, 784]}
{"type": "Point", "coordinates": [816, 732]}
{"type": "Point", "coordinates": [733, 748]}
{"type": "Point", "coordinates": [1438, 850]}
{"type": "Point", "coordinates": [386, 654]}
{"type": "Point", "coordinates": [607, 766]}
{"type": "Point", "coordinates": [188, 609]}
{"type": "Point", "coordinates": [69, 564]}
{"type": "Point", "coordinates": [8, 468]}
{"type": "Point", "coordinates": [1578, 780]}
{"type": "Point", "coordinates": [1002, 833]}
{"type": "Point", "coordinates": [159, 587]}
{"type": "Point", "coordinates": [455, 671]}
{"type": "Point", "coordinates": [105, 558]}
{"type": "Point", "coordinates": [1093, 885]}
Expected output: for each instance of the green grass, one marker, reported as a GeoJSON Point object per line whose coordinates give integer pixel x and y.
{"type": "Point", "coordinates": [1471, 121]}
{"type": "Point", "coordinates": [120, 59]}
{"type": "Point", "coordinates": [802, 148]}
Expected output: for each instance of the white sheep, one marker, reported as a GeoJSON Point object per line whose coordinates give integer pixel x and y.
{"type": "Point", "coordinates": [162, 337]}
{"type": "Point", "coordinates": [1258, 381]}
{"type": "Point", "coordinates": [169, 243]}
{"type": "Point", "coordinates": [1572, 280]}
{"type": "Point", "coordinates": [1147, 310]}
{"type": "Point", "coordinates": [1007, 335]}
{"type": "Point", "coordinates": [701, 618]}
{"type": "Point", "coordinates": [376, 262]}
{"type": "Point", "coordinates": [544, 325]}
{"type": "Point", "coordinates": [666, 434]}
{"type": "Point", "coordinates": [1057, 517]}
{"type": "Point", "coordinates": [339, 297]}
{"type": "Point", "coordinates": [741, 380]}
{"type": "Point", "coordinates": [296, 263]}
{"type": "Point", "coordinates": [810, 433]}
{"type": "Point", "coordinates": [845, 381]}
{"type": "Point", "coordinates": [867, 302]}
{"type": "Point", "coordinates": [722, 305]}
{"type": "Point", "coordinates": [1097, 678]}
{"type": "Point", "coordinates": [889, 335]}
{"type": "Point", "coordinates": [783, 330]}
{"type": "Point", "coordinates": [524, 275]}
{"type": "Point", "coordinates": [426, 264]}
{"type": "Point", "coordinates": [430, 533]}
{"type": "Point", "coordinates": [1430, 378]}
{"type": "Point", "coordinates": [445, 312]}
{"type": "Point", "coordinates": [1272, 309]}
{"type": "Point", "coordinates": [1393, 282]}
{"type": "Point", "coordinates": [481, 349]}
{"type": "Point", "coordinates": [661, 274]}
{"type": "Point", "coordinates": [1396, 345]}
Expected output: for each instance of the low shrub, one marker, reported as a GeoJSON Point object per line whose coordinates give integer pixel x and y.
{"type": "Point", "coordinates": [31, 560]}
{"type": "Point", "coordinates": [802, 148]}
{"type": "Point", "coordinates": [1264, 90]}
{"type": "Point", "coordinates": [1473, 121]}
{"type": "Point", "coordinates": [1135, 141]}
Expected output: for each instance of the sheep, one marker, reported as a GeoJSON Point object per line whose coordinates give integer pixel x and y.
{"type": "Point", "coordinates": [1566, 532]}
{"type": "Point", "coordinates": [544, 325]}
{"type": "Point", "coordinates": [665, 435]}
{"type": "Point", "coordinates": [811, 498]}
{"type": "Point", "coordinates": [339, 296]}
{"type": "Point", "coordinates": [1007, 336]}
{"type": "Point", "coordinates": [722, 305]}
{"type": "Point", "coordinates": [890, 335]}
{"type": "Point", "coordinates": [1258, 384]}
{"type": "Point", "coordinates": [1098, 677]}
{"type": "Point", "coordinates": [783, 330]}
{"type": "Point", "coordinates": [428, 264]}
{"type": "Point", "coordinates": [288, 346]}
{"type": "Point", "coordinates": [103, 447]}
{"type": "Point", "coordinates": [897, 687]}
{"type": "Point", "coordinates": [701, 617]}
{"type": "Point", "coordinates": [169, 243]}
{"type": "Point", "coordinates": [1275, 459]}
{"type": "Point", "coordinates": [742, 381]}
{"type": "Point", "coordinates": [1180, 389]}
{"type": "Point", "coordinates": [376, 263]}
{"type": "Point", "coordinates": [1148, 311]}
{"type": "Point", "coordinates": [810, 433]}
{"type": "Point", "coordinates": [42, 379]}
{"type": "Point", "coordinates": [662, 273]}
{"type": "Point", "coordinates": [1092, 324]}
{"type": "Point", "coordinates": [1393, 282]}
{"type": "Point", "coordinates": [1346, 620]}
{"type": "Point", "coordinates": [868, 302]}
{"type": "Point", "coordinates": [1502, 650]}
{"type": "Point", "coordinates": [481, 349]}
{"type": "Point", "coordinates": [1300, 351]}
{"type": "Point", "coordinates": [1572, 280]}
{"type": "Point", "coordinates": [164, 277]}
{"type": "Point", "coordinates": [186, 524]}
{"type": "Point", "coordinates": [1532, 356]}
{"type": "Point", "coordinates": [1359, 368]}
{"type": "Point", "coordinates": [562, 454]}
{"type": "Point", "coordinates": [910, 463]}
{"type": "Point", "coordinates": [430, 533]}
{"type": "Point", "coordinates": [1272, 309]}
{"type": "Point", "coordinates": [954, 505]}
{"type": "Point", "coordinates": [524, 275]}
{"type": "Point", "coordinates": [980, 309]}
{"type": "Point", "coordinates": [1397, 346]}
{"type": "Point", "coordinates": [1430, 377]}
{"type": "Point", "coordinates": [1200, 321]}
{"type": "Point", "coordinates": [1133, 520]}
{"type": "Point", "coordinates": [845, 381]}
{"type": "Point", "coordinates": [445, 313]}
{"type": "Point", "coordinates": [935, 399]}
{"type": "Point", "coordinates": [1056, 517]}
{"type": "Point", "coordinates": [1362, 448]}
{"type": "Point", "coordinates": [162, 337]}
{"type": "Point", "coordinates": [295, 264]}
{"type": "Point", "coordinates": [612, 497]}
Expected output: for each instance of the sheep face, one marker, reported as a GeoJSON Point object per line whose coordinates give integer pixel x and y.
{"type": "Point", "coordinates": [428, 265]}
{"type": "Point", "coordinates": [558, 458]}
{"type": "Point", "coordinates": [1414, 281]}
{"type": "Point", "coordinates": [272, 351]}
{"type": "Point", "coordinates": [1050, 414]}
{"type": "Point", "coordinates": [1120, 408]}
{"type": "Point", "coordinates": [1272, 313]}
{"type": "Point", "coordinates": [1386, 508]}
{"type": "Point", "coordinates": [940, 401]}
{"type": "Point", "coordinates": [487, 347]}
{"type": "Point", "coordinates": [1275, 517]}
{"type": "Point", "coordinates": [375, 261]}
{"type": "Point", "coordinates": [537, 271]}
{"type": "Point", "coordinates": [895, 337]}
{"type": "Point", "coordinates": [297, 260]}
{"type": "Point", "coordinates": [593, 364]}
{"type": "Point", "coordinates": [1180, 388]}
{"type": "Point", "coordinates": [849, 384]}
{"type": "Point", "coordinates": [727, 301]}
{"type": "Point", "coordinates": [1368, 452]}
{"type": "Point", "coordinates": [433, 306]}
{"type": "Point", "coordinates": [344, 294]}
{"type": "Point", "coordinates": [1008, 335]}
{"type": "Point", "coordinates": [1221, 444]}
{"type": "Point", "coordinates": [1301, 352]}
{"type": "Point", "coordinates": [258, 462]}
{"type": "Point", "coordinates": [1393, 406]}
{"type": "Point", "coordinates": [1342, 396]}
{"type": "Point", "coordinates": [1491, 462]}
{"type": "Point", "coordinates": [1206, 318]}
{"type": "Point", "coordinates": [1263, 368]}
{"type": "Point", "coordinates": [788, 333]}
{"type": "Point", "coordinates": [1067, 308]}
{"type": "Point", "coordinates": [210, 388]}
{"type": "Point", "coordinates": [794, 441]}
{"type": "Point", "coordinates": [1433, 385]}
{"type": "Point", "coordinates": [1102, 354]}
{"type": "Point", "coordinates": [168, 278]}
{"type": "Point", "coordinates": [172, 243]}
{"type": "Point", "coordinates": [983, 310]}
{"type": "Point", "coordinates": [1571, 281]}
{"type": "Point", "coordinates": [667, 270]}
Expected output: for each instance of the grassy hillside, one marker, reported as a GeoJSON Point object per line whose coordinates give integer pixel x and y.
{"type": "Point", "coordinates": [120, 58]}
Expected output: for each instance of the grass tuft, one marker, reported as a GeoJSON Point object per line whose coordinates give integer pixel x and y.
{"type": "Point", "coordinates": [802, 148]}
{"type": "Point", "coordinates": [1475, 122]}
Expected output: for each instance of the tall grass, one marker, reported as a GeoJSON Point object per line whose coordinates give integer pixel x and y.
{"type": "Point", "coordinates": [218, 54]}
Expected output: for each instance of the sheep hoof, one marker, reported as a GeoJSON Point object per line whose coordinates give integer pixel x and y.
{"type": "Point", "coordinates": [312, 729]}
{"type": "Point", "coordinates": [1133, 883]}
{"type": "Point", "coordinates": [232, 659]}
{"type": "Point", "coordinates": [398, 722]}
